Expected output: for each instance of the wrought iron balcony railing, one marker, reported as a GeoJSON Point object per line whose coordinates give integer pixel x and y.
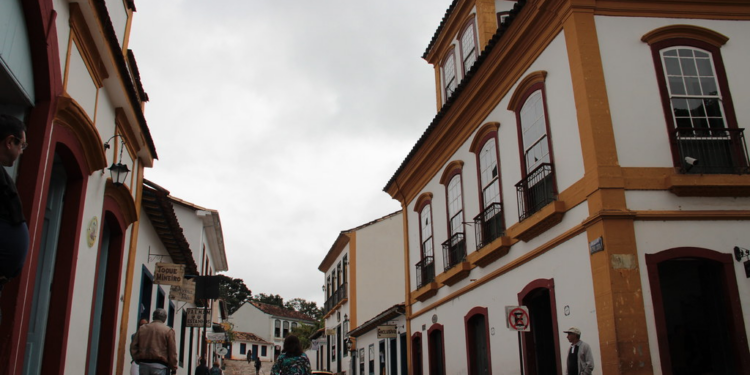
{"type": "Point", "coordinates": [454, 251]}
{"type": "Point", "coordinates": [711, 150]}
{"type": "Point", "coordinates": [425, 271]}
{"type": "Point", "coordinates": [536, 190]}
{"type": "Point", "coordinates": [337, 296]}
{"type": "Point", "coordinates": [489, 225]}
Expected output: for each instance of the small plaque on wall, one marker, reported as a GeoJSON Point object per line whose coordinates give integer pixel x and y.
{"type": "Point", "coordinates": [596, 245]}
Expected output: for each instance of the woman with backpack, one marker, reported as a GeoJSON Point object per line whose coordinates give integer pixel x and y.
{"type": "Point", "coordinates": [292, 360]}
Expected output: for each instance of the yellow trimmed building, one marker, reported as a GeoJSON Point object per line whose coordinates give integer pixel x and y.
{"type": "Point", "coordinates": [588, 163]}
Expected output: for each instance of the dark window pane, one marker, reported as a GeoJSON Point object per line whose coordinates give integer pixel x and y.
{"type": "Point", "coordinates": [700, 123]}
{"type": "Point", "coordinates": [676, 87]}
{"type": "Point", "coordinates": [700, 54]}
{"type": "Point", "coordinates": [673, 66]}
{"type": "Point", "coordinates": [696, 108]}
{"type": "Point", "coordinates": [684, 122]}
{"type": "Point", "coordinates": [672, 52]}
{"type": "Point", "coordinates": [688, 67]}
{"type": "Point", "coordinates": [709, 86]}
{"type": "Point", "coordinates": [704, 68]}
{"type": "Point", "coordinates": [716, 123]}
{"type": "Point", "coordinates": [685, 52]}
{"type": "Point", "coordinates": [680, 107]}
{"type": "Point", "coordinates": [712, 107]}
{"type": "Point", "coordinates": [693, 86]}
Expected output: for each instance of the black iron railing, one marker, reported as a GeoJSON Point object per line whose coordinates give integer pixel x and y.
{"type": "Point", "coordinates": [337, 296]}
{"type": "Point", "coordinates": [454, 251]}
{"type": "Point", "coordinates": [489, 225]}
{"type": "Point", "coordinates": [711, 151]}
{"type": "Point", "coordinates": [536, 190]}
{"type": "Point", "coordinates": [425, 271]}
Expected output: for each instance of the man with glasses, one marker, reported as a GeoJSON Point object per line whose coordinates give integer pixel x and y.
{"type": "Point", "coordinates": [14, 234]}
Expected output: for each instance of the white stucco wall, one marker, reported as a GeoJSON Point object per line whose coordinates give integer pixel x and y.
{"type": "Point", "coordinates": [566, 148]}
{"type": "Point", "coordinates": [371, 338]}
{"type": "Point", "coordinates": [119, 17]}
{"type": "Point", "coordinates": [249, 319]}
{"type": "Point", "coordinates": [570, 268]}
{"type": "Point", "coordinates": [380, 267]}
{"type": "Point", "coordinates": [638, 120]}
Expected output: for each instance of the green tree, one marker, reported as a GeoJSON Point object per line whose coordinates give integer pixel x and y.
{"type": "Point", "coordinates": [309, 308]}
{"type": "Point", "coordinates": [304, 331]}
{"type": "Point", "coordinates": [234, 292]}
{"type": "Point", "coordinates": [270, 299]}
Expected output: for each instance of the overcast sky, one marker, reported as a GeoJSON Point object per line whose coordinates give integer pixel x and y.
{"type": "Point", "coordinates": [286, 116]}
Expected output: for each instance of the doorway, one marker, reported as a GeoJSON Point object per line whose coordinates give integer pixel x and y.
{"type": "Point", "coordinates": [696, 306]}
{"type": "Point", "coordinates": [541, 352]}
{"type": "Point", "coordinates": [40, 307]}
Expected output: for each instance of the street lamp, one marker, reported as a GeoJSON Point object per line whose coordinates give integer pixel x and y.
{"type": "Point", "coordinates": [118, 171]}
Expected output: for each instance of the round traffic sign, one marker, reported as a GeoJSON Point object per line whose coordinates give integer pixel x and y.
{"type": "Point", "coordinates": [518, 319]}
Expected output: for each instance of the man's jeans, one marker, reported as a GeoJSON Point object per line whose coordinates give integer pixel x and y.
{"type": "Point", "coordinates": [148, 370]}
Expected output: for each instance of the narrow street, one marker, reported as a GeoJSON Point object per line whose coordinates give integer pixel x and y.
{"type": "Point", "coordinates": [241, 367]}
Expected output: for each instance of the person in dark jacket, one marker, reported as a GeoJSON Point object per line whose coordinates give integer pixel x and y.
{"type": "Point", "coordinates": [13, 229]}
{"type": "Point", "coordinates": [202, 369]}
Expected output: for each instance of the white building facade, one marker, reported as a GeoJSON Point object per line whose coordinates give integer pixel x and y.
{"type": "Point", "coordinates": [363, 279]}
{"type": "Point", "coordinates": [173, 231]}
{"type": "Point", "coordinates": [587, 162]}
{"type": "Point", "coordinates": [269, 323]}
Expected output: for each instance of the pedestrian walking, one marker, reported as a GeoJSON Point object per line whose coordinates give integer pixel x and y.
{"type": "Point", "coordinates": [133, 364]}
{"type": "Point", "coordinates": [202, 369]}
{"type": "Point", "coordinates": [216, 370]}
{"type": "Point", "coordinates": [154, 348]}
{"type": "Point", "coordinates": [257, 365]}
{"type": "Point", "coordinates": [580, 360]}
{"type": "Point", "coordinates": [292, 360]}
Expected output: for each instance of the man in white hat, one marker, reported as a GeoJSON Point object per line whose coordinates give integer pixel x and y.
{"type": "Point", "coordinates": [580, 361]}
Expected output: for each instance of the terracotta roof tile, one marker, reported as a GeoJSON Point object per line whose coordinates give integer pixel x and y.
{"type": "Point", "coordinates": [281, 312]}
{"type": "Point", "coordinates": [249, 336]}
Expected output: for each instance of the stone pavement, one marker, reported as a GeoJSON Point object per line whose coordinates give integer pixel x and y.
{"type": "Point", "coordinates": [241, 367]}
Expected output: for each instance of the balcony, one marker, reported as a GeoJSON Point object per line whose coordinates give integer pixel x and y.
{"type": "Point", "coordinates": [536, 191]}
{"type": "Point", "coordinates": [337, 296]}
{"type": "Point", "coordinates": [489, 225]}
{"type": "Point", "coordinates": [711, 151]}
{"type": "Point", "coordinates": [454, 251]}
{"type": "Point", "coordinates": [425, 271]}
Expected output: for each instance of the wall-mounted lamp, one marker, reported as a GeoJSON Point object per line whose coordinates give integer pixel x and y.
{"type": "Point", "coordinates": [691, 162]}
{"type": "Point", "coordinates": [346, 317]}
{"type": "Point", "coordinates": [118, 172]}
{"type": "Point", "coordinates": [740, 253]}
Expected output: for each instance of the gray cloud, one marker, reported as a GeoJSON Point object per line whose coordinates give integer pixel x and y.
{"type": "Point", "coordinates": [287, 116]}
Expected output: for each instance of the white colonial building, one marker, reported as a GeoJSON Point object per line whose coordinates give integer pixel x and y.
{"type": "Point", "coordinates": [363, 281]}
{"type": "Point", "coordinates": [174, 231]}
{"type": "Point", "coordinates": [269, 323]}
{"type": "Point", "coordinates": [588, 162]}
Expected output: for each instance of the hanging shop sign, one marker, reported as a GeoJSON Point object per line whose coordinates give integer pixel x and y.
{"type": "Point", "coordinates": [184, 292]}
{"type": "Point", "coordinates": [387, 332]}
{"type": "Point", "coordinates": [219, 337]}
{"type": "Point", "coordinates": [169, 274]}
{"type": "Point", "coordinates": [195, 317]}
{"type": "Point", "coordinates": [331, 332]}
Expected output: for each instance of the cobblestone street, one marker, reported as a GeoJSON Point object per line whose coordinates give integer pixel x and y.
{"type": "Point", "coordinates": [241, 367]}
